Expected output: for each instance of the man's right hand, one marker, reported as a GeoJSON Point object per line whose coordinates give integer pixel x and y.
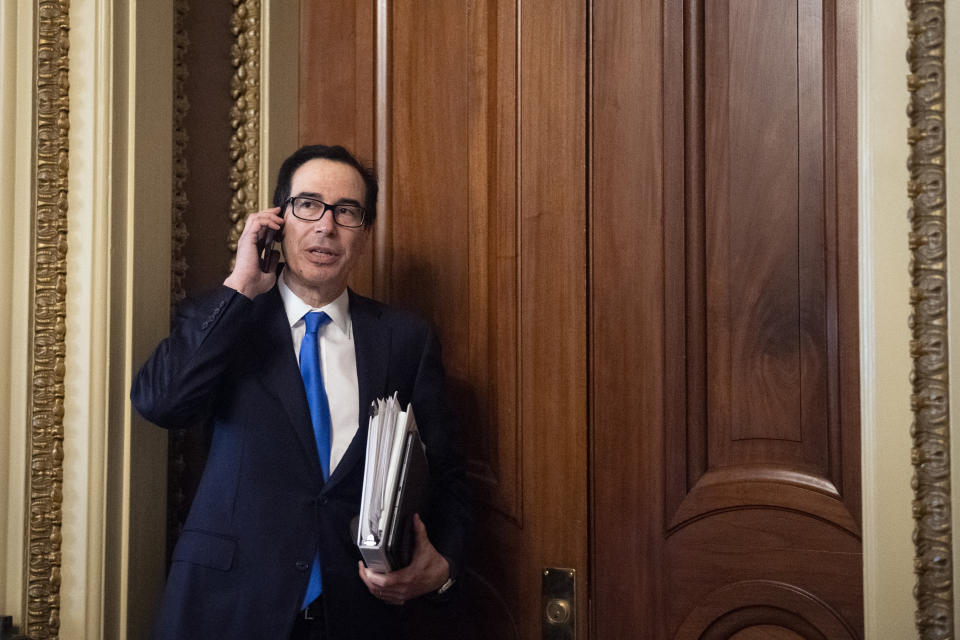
{"type": "Point", "coordinates": [247, 278]}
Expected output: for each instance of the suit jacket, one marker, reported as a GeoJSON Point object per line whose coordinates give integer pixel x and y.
{"type": "Point", "coordinates": [262, 509]}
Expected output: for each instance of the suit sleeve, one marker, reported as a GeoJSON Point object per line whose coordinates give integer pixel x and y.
{"type": "Point", "coordinates": [177, 384]}
{"type": "Point", "coordinates": [449, 518]}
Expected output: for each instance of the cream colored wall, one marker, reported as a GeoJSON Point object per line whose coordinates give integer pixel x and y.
{"type": "Point", "coordinates": [118, 265]}
{"type": "Point", "coordinates": [141, 139]}
{"type": "Point", "coordinates": [88, 299]}
{"type": "Point", "coordinates": [885, 283]}
{"type": "Point", "coordinates": [16, 81]}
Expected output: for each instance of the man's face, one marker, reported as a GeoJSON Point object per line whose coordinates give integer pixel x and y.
{"type": "Point", "coordinates": [320, 255]}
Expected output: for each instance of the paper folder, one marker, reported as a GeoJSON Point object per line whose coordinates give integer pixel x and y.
{"type": "Point", "coordinates": [395, 486]}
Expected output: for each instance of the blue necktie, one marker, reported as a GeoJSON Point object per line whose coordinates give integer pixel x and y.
{"type": "Point", "coordinates": [319, 416]}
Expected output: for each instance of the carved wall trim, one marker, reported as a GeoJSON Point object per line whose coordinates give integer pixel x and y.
{"type": "Point", "coordinates": [176, 496]}
{"type": "Point", "coordinates": [244, 115]}
{"type": "Point", "coordinates": [181, 105]}
{"type": "Point", "coordinates": [928, 321]}
{"type": "Point", "coordinates": [48, 322]}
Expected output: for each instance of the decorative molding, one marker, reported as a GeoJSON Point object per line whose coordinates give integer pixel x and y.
{"type": "Point", "coordinates": [928, 321]}
{"type": "Point", "coordinates": [176, 498]}
{"type": "Point", "coordinates": [181, 105]}
{"type": "Point", "coordinates": [244, 115]}
{"type": "Point", "coordinates": [48, 322]}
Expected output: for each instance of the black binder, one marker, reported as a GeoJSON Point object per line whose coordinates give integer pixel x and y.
{"type": "Point", "coordinates": [392, 547]}
{"type": "Point", "coordinates": [411, 498]}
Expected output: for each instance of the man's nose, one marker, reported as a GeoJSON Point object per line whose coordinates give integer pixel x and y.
{"type": "Point", "coordinates": [325, 224]}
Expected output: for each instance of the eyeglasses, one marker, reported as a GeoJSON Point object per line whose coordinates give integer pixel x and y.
{"type": "Point", "coordinates": [311, 209]}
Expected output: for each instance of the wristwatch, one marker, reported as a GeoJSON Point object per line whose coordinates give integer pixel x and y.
{"type": "Point", "coordinates": [445, 586]}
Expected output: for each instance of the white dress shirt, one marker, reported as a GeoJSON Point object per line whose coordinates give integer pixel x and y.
{"type": "Point", "coordinates": [338, 364]}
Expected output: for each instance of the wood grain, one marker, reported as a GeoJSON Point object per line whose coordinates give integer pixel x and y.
{"type": "Point", "coordinates": [634, 226]}
{"type": "Point", "coordinates": [627, 297]}
{"type": "Point", "coordinates": [486, 188]}
{"type": "Point", "coordinates": [754, 461]}
{"type": "Point", "coordinates": [336, 88]}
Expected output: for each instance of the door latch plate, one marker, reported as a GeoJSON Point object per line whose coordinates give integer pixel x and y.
{"type": "Point", "coordinates": [558, 598]}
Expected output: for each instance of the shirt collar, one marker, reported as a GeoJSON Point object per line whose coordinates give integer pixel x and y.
{"type": "Point", "coordinates": [295, 308]}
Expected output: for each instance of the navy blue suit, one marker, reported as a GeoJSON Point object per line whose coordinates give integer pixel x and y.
{"type": "Point", "coordinates": [261, 511]}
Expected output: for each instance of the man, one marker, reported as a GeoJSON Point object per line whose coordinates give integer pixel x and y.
{"type": "Point", "coordinates": [267, 550]}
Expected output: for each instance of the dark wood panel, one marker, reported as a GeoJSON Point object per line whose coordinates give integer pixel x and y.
{"type": "Point", "coordinates": [752, 222]}
{"type": "Point", "coordinates": [751, 159]}
{"type": "Point", "coordinates": [771, 361]}
{"type": "Point", "coordinates": [765, 609]}
{"type": "Point", "coordinates": [336, 88]}
{"type": "Point", "coordinates": [486, 236]}
{"type": "Point", "coordinates": [454, 253]}
{"type": "Point", "coordinates": [431, 169]}
{"type": "Point", "coordinates": [842, 255]}
{"type": "Point", "coordinates": [627, 297]}
{"type": "Point", "coordinates": [336, 92]}
{"type": "Point", "coordinates": [758, 484]}
{"type": "Point", "coordinates": [715, 484]}
{"type": "Point", "coordinates": [552, 69]}
{"type": "Point", "coordinates": [710, 560]}
{"type": "Point", "coordinates": [772, 436]}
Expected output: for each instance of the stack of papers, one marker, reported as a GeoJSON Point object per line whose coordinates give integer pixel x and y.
{"type": "Point", "coordinates": [395, 481]}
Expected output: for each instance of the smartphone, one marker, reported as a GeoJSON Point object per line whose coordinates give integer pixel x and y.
{"type": "Point", "coordinates": [265, 248]}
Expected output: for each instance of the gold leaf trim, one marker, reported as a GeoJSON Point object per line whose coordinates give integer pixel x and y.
{"type": "Point", "coordinates": [930, 400]}
{"type": "Point", "coordinates": [49, 321]}
{"type": "Point", "coordinates": [244, 115]}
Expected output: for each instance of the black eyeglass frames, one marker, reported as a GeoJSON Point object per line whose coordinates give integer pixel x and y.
{"type": "Point", "coordinates": [311, 210]}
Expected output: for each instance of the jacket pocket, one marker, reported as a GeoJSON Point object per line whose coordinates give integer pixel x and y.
{"type": "Point", "coordinates": [205, 549]}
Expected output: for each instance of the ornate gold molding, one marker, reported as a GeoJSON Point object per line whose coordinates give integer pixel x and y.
{"type": "Point", "coordinates": [930, 400]}
{"type": "Point", "coordinates": [49, 320]}
{"type": "Point", "coordinates": [244, 115]}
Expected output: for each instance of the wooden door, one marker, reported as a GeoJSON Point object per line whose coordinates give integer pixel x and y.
{"type": "Point", "coordinates": [483, 231]}
{"type": "Point", "coordinates": [724, 391]}
{"type": "Point", "coordinates": [634, 225]}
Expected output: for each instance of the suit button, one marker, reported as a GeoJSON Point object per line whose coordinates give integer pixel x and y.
{"type": "Point", "coordinates": [323, 501]}
{"type": "Point", "coordinates": [302, 565]}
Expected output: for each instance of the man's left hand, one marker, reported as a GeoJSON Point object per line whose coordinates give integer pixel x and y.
{"type": "Point", "coordinates": [427, 572]}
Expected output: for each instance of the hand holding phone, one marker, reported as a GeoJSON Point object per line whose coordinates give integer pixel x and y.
{"type": "Point", "coordinates": [265, 249]}
{"type": "Point", "coordinates": [255, 269]}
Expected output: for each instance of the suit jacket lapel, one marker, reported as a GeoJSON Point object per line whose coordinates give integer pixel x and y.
{"type": "Point", "coordinates": [371, 339]}
{"type": "Point", "coordinates": [281, 375]}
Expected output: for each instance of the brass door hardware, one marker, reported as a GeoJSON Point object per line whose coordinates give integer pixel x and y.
{"type": "Point", "coordinates": [558, 595]}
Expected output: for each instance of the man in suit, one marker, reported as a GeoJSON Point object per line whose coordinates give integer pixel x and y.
{"type": "Point", "coordinates": [267, 550]}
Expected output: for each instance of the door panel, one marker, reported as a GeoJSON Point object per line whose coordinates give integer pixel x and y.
{"type": "Point", "coordinates": [753, 464]}
{"type": "Point", "coordinates": [485, 204]}
{"type": "Point", "coordinates": [657, 257]}
{"type": "Point", "coordinates": [337, 91]}
{"type": "Point", "coordinates": [487, 241]}
{"type": "Point", "coordinates": [627, 261]}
